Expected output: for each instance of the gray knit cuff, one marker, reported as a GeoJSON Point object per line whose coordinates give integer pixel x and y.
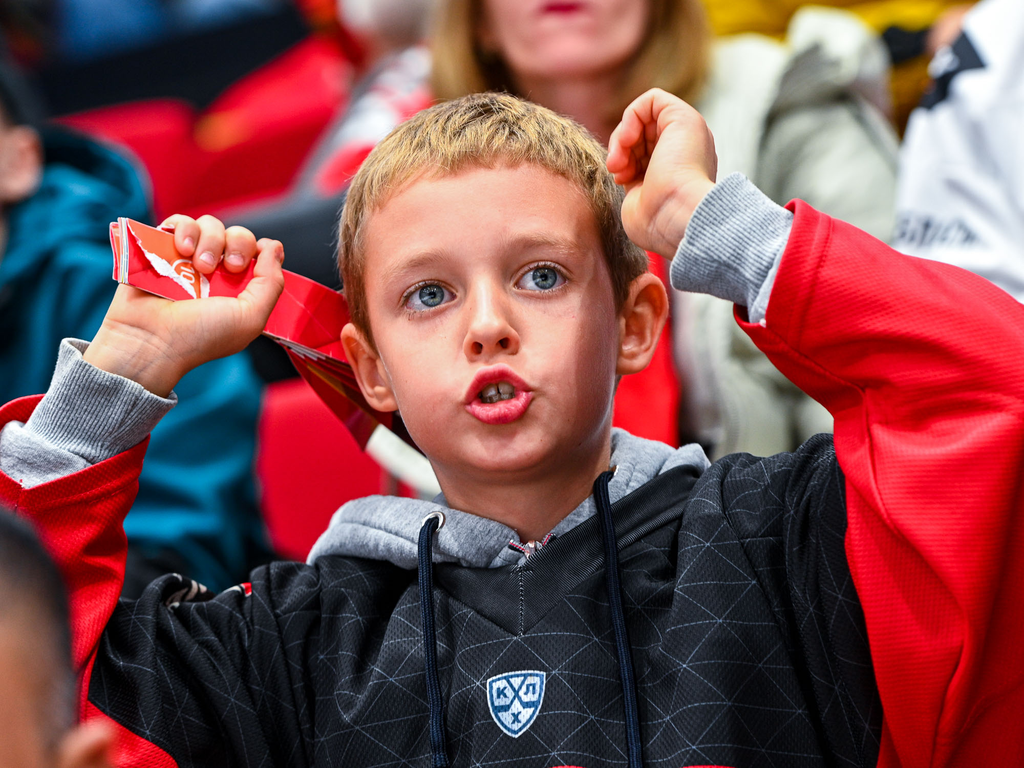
{"type": "Point", "coordinates": [732, 245]}
{"type": "Point", "coordinates": [91, 413]}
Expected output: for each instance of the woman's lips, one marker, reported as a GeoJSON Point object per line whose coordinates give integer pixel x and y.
{"type": "Point", "coordinates": [502, 411]}
{"type": "Point", "coordinates": [563, 7]}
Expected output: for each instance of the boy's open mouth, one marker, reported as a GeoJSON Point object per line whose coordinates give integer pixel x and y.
{"type": "Point", "coordinates": [497, 395]}
{"type": "Point", "coordinates": [493, 393]}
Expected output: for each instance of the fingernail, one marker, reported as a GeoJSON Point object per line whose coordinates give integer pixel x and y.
{"type": "Point", "coordinates": [189, 243]}
{"type": "Point", "coordinates": [235, 259]}
{"type": "Point", "coordinates": [208, 259]}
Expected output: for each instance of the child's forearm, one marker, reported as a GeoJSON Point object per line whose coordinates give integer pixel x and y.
{"type": "Point", "coordinates": [86, 417]}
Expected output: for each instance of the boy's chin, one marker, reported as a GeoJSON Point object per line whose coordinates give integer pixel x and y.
{"type": "Point", "coordinates": [505, 461]}
{"type": "Point", "coordinates": [521, 455]}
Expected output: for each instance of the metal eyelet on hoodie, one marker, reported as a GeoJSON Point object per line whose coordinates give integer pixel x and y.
{"type": "Point", "coordinates": [438, 515]}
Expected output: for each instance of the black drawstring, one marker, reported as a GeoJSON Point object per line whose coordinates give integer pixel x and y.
{"type": "Point", "coordinates": [431, 523]}
{"type": "Point", "coordinates": [611, 573]}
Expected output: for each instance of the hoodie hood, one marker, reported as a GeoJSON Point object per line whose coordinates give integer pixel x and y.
{"type": "Point", "coordinates": [83, 182]}
{"type": "Point", "coordinates": [387, 528]}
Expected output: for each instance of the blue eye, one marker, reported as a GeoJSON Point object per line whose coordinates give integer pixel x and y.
{"type": "Point", "coordinates": [427, 297]}
{"type": "Point", "coordinates": [541, 279]}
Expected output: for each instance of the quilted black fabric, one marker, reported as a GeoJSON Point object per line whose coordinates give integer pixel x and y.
{"type": "Point", "coordinates": [747, 637]}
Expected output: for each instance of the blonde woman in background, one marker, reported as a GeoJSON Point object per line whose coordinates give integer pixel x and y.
{"type": "Point", "coordinates": [801, 118]}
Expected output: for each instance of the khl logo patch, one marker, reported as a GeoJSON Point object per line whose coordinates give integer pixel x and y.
{"type": "Point", "coordinates": [514, 700]}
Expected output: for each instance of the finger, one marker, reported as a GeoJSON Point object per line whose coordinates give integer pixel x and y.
{"type": "Point", "coordinates": [186, 233]}
{"type": "Point", "coordinates": [624, 138]}
{"type": "Point", "coordinates": [637, 134]}
{"type": "Point", "coordinates": [239, 248]}
{"type": "Point", "coordinates": [263, 291]}
{"type": "Point", "coordinates": [618, 152]}
{"type": "Point", "coordinates": [624, 166]}
{"type": "Point", "coordinates": [210, 246]}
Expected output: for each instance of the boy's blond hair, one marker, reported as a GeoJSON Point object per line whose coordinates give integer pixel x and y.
{"type": "Point", "coordinates": [673, 56]}
{"type": "Point", "coordinates": [483, 130]}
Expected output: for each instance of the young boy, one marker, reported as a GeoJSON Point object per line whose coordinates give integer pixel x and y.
{"type": "Point", "coordinates": [37, 684]}
{"type": "Point", "coordinates": [834, 606]}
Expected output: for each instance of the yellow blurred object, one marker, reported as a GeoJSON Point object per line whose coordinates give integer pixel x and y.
{"type": "Point", "coordinates": [222, 130]}
{"type": "Point", "coordinates": [771, 17]}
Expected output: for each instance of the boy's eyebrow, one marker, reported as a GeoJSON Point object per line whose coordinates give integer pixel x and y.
{"type": "Point", "coordinates": [418, 260]}
{"type": "Point", "coordinates": [514, 242]}
{"type": "Point", "coordinates": [526, 240]}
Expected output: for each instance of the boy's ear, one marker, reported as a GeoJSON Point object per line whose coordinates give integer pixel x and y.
{"type": "Point", "coordinates": [88, 745]}
{"type": "Point", "coordinates": [641, 320]}
{"type": "Point", "coordinates": [368, 369]}
{"type": "Point", "coordinates": [21, 163]}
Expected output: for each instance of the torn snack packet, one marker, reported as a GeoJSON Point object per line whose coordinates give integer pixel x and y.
{"type": "Point", "coordinates": [306, 321]}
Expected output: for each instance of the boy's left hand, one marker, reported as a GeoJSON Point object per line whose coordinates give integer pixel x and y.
{"type": "Point", "coordinates": [664, 154]}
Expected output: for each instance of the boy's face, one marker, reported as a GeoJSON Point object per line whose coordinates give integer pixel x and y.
{"type": "Point", "coordinates": [493, 312]}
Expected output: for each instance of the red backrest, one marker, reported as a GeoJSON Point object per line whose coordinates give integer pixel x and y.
{"type": "Point", "coordinates": [159, 132]}
{"type": "Point", "coordinates": [308, 465]}
{"type": "Point", "coordinates": [253, 139]}
{"type": "Point", "coordinates": [247, 145]}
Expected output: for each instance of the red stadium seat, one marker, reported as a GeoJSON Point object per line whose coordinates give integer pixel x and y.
{"type": "Point", "coordinates": [159, 132]}
{"type": "Point", "coordinates": [308, 465]}
{"type": "Point", "coordinates": [252, 140]}
{"type": "Point", "coordinates": [248, 145]}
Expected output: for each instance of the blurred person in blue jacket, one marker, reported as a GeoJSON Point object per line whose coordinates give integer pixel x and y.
{"type": "Point", "coordinates": [196, 511]}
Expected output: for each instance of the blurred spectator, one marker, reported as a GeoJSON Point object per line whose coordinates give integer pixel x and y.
{"type": "Point", "coordinates": [384, 27]}
{"type": "Point", "coordinates": [801, 119]}
{"type": "Point", "coordinates": [195, 512]}
{"type": "Point", "coordinates": [961, 183]}
{"type": "Point", "coordinates": [905, 25]}
{"type": "Point", "coordinates": [37, 683]}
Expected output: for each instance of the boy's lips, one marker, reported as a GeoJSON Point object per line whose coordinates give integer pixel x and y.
{"type": "Point", "coordinates": [505, 407]}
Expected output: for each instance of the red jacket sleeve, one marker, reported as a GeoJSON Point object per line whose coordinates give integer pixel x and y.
{"type": "Point", "coordinates": [80, 520]}
{"type": "Point", "coordinates": [922, 366]}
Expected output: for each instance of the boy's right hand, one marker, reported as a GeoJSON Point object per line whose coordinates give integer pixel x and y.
{"type": "Point", "coordinates": [664, 155]}
{"type": "Point", "coordinates": [155, 341]}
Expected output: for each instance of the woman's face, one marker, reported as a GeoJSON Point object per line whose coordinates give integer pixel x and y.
{"type": "Point", "coordinates": [545, 39]}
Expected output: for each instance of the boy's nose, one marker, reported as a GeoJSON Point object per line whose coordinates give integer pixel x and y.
{"type": "Point", "coordinates": [490, 330]}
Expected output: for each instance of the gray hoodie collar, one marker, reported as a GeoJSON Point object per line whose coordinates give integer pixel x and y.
{"type": "Point", "coordinates": [387, 527]}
